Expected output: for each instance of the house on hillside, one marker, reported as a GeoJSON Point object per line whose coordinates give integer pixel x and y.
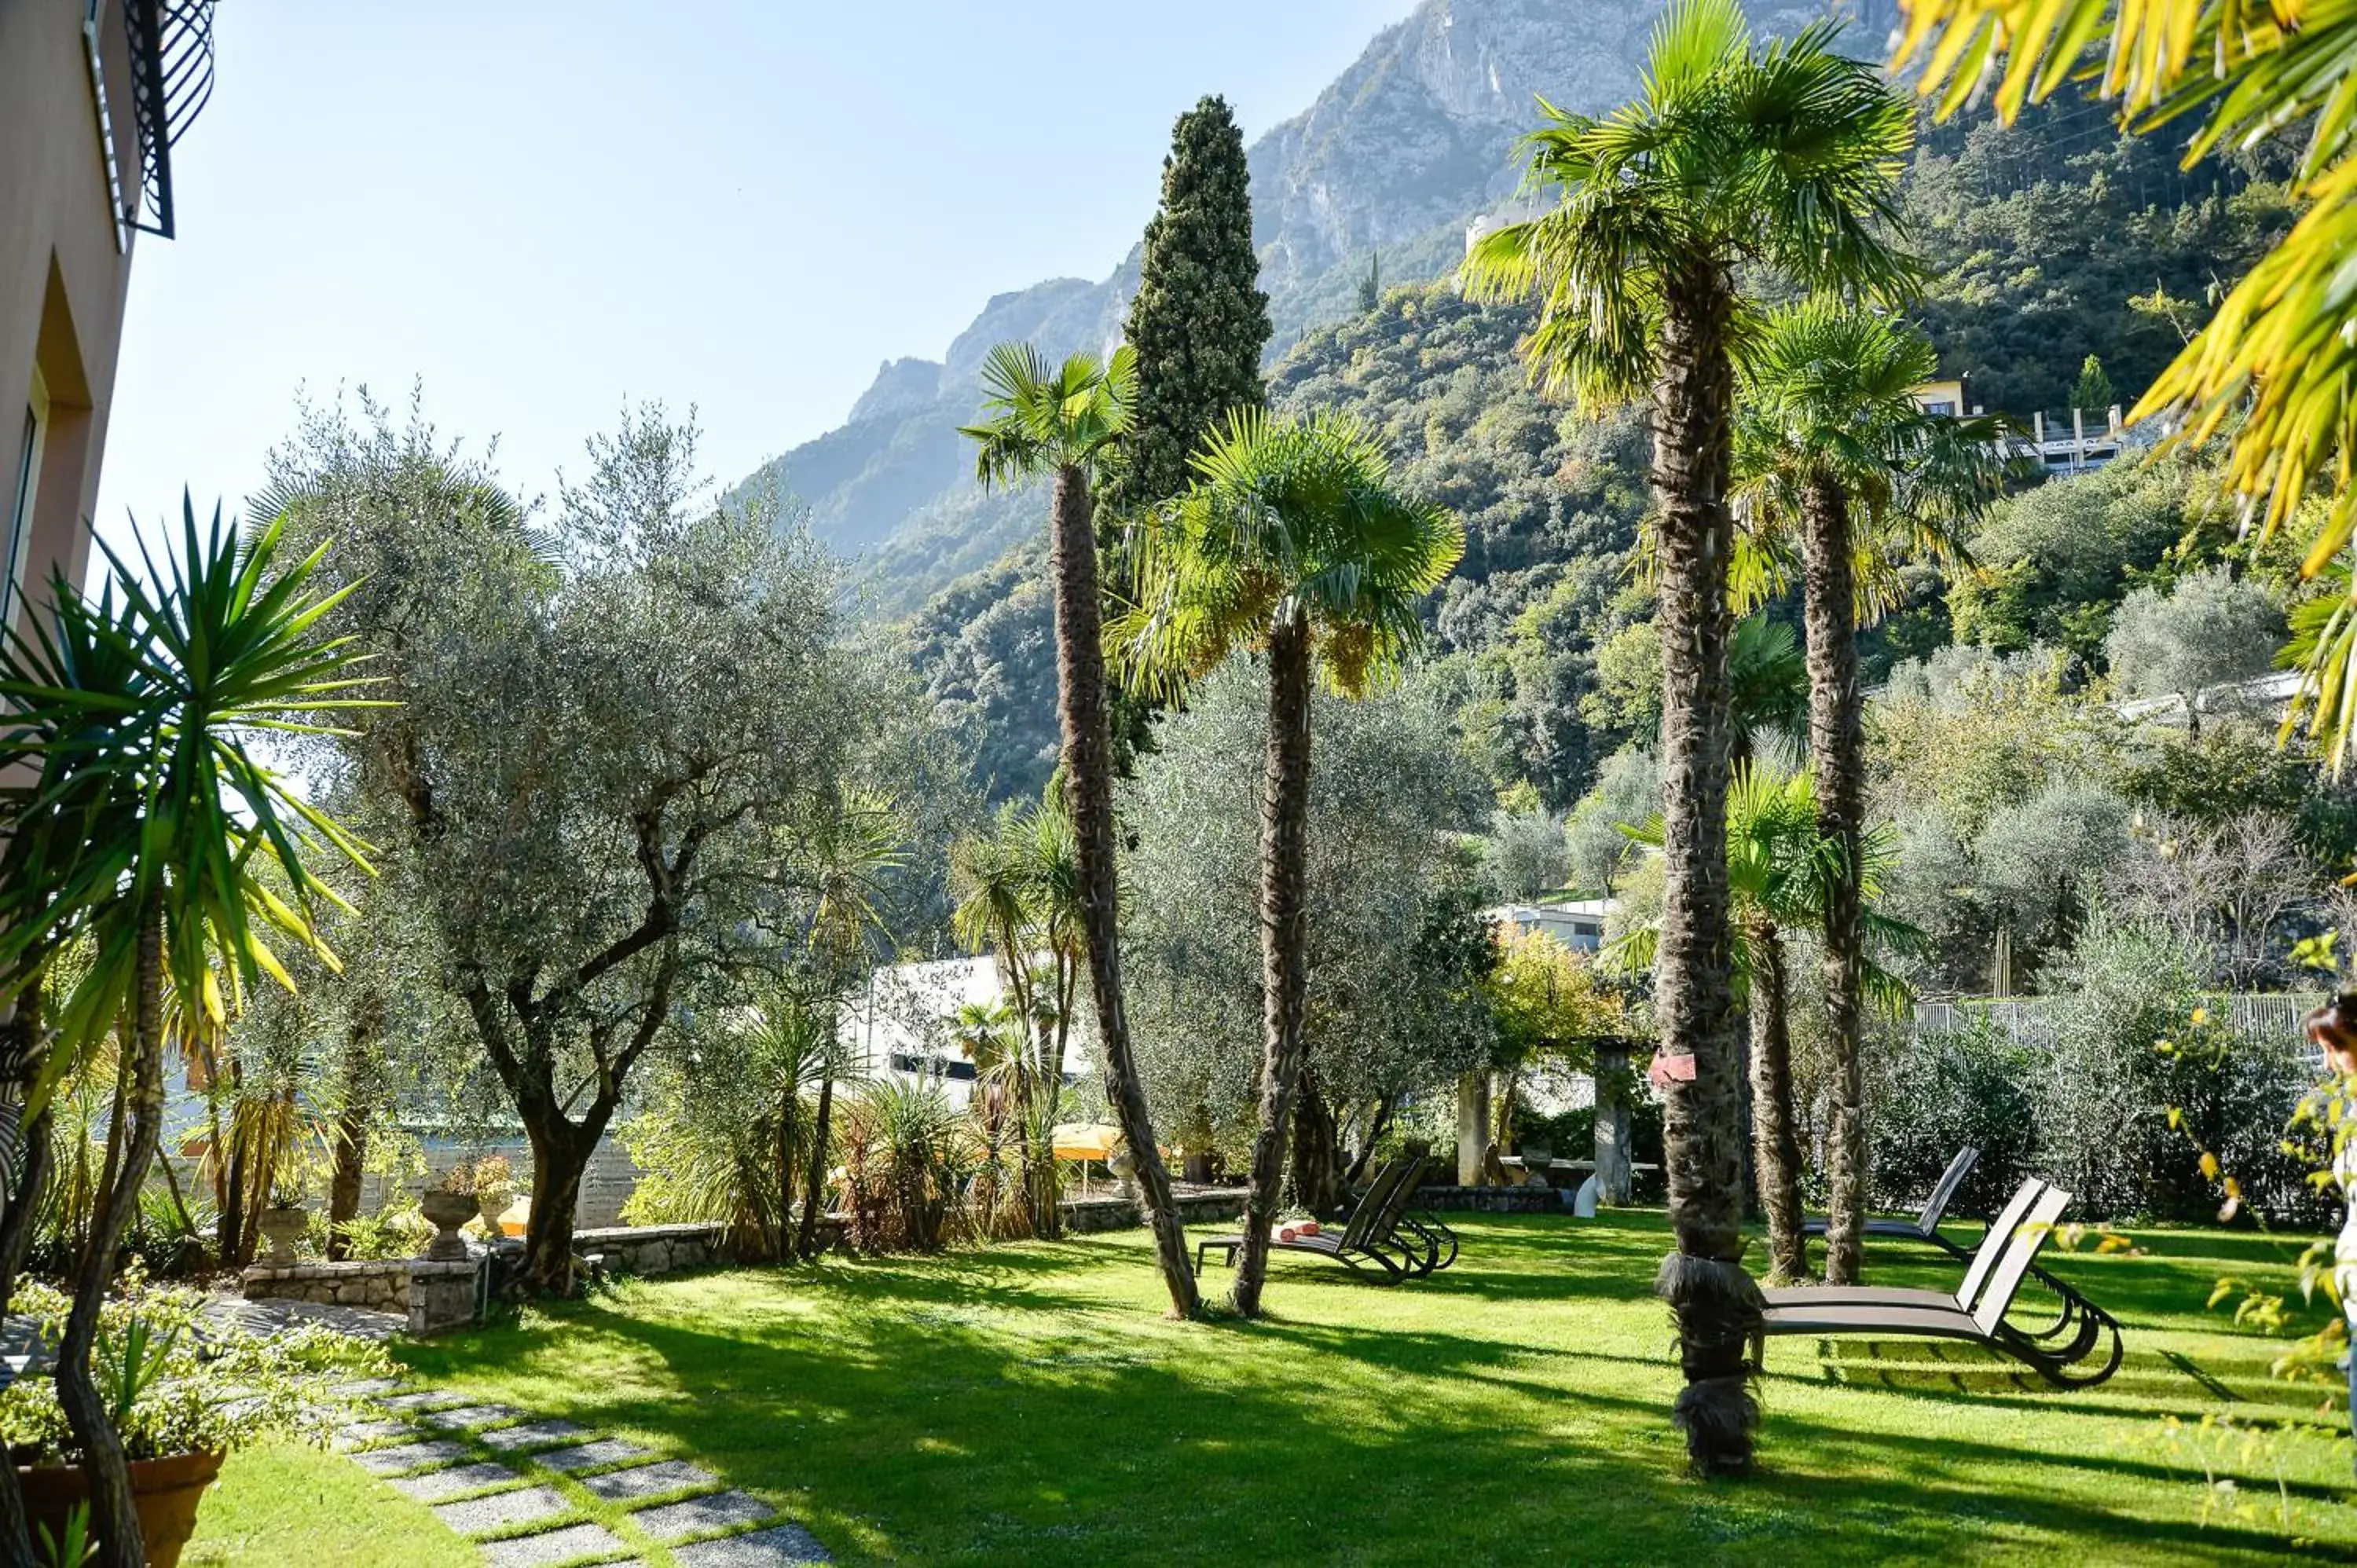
{"type": "Point", "coordinates": [1576, 923]}
{"type": "Point", "coordinates": [899, 1025]}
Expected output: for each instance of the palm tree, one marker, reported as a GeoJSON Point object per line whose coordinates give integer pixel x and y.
{"type": "Point", "coordinates": [143, 828]}
{"type": "Point", "coordinates": [1018, 888]}
{"type": "Point", "coordinates": [1833, 450]}
{"type": "Point", "coordinates": [1062, 424]}
{"type": "Point", "coordinates": [1781, 867]}
{"type": "Point", "coordinates": [856, 845]}
{"type": "Point", "coordinates": [2275, 368]}
{"type": "Point", "coordinates": [1784, 159]}
{"type": "Point", "coordinates": [1294, 541]}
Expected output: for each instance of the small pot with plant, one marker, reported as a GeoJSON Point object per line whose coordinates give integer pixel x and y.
{"type": "Point", "coordinates": [449, 1204]}
{"type": "Point", "coordinates": [181, 1404]}
{"type": "Point", "coordinates": [495, 1189]}
{"type": "Point", "coordinates": [282, 1224]}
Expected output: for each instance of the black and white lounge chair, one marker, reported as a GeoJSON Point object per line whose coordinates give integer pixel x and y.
{"type": "Point", "coordinates": [1924, 1227]}
{"type": "Point", "coordinates": [2065, 1355]}
{"type": "Point", "coordinates": [1371, 1242]}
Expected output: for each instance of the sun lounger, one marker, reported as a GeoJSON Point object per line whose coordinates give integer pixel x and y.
{"type": "Point", "coordinates": [1982, 1261]}
{"type": "Point", "coordinates": [1371, 1242]}
{"type": "Point", "coordinates": [2064, 1355]}
{"type": "Point", "coordinates": [1924, 1227]}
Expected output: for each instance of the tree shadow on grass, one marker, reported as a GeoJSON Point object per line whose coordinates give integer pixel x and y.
{"type": "Point", "coordinates": [966, 1409]}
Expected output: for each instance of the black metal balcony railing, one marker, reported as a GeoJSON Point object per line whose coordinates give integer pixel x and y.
{"type": "Point", "coordinates": [171, 80]}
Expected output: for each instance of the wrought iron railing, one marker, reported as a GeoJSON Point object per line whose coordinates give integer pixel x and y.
{"type": "Point", "coordinates": [171, 81]}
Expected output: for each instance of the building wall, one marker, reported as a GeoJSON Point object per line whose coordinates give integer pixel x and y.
{"type": "Point", "coordinates": [62, 274]}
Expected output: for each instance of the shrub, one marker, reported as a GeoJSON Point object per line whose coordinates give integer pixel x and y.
{"type": "Point", "coordinates": [1945, 1090]}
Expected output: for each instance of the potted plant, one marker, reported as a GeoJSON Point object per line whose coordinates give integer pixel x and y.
{"type": "Point", "coordinates": [181, 1404]}
{"type": "Point", "coordinates": [283, 1224]}
{"type": "Point", "coordinates": [495, 1188]}
{"type": "Point", "coordinates": [449, 1204]}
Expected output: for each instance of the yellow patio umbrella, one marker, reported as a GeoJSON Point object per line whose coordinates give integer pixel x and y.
{"type": "Point", "coordinates": [1084, 1141]}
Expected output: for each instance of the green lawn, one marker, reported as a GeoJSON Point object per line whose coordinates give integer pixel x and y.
{"type": "Point", "coordinates": [1027, 1405]}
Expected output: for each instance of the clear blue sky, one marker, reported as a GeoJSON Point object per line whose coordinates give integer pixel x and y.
{"type": "Point", "coordinates": [543, 209]}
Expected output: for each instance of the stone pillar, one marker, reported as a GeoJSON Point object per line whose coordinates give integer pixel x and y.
{"type": "Point", "coordinates": [1615, 1182]}
{"type": "Point", "coordinates": [1472, 1126]}
{"type": "Point", "coordinates": [441, 1297]}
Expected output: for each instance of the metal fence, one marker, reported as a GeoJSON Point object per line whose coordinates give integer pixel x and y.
{"type": "Point", "coordinates": [2029, 1021]}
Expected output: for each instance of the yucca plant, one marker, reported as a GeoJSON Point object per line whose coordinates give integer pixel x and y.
{"type": "Point", "coordinates": [141, 825]}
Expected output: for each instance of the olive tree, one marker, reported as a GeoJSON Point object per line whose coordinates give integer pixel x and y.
{"type": "Point", "coordinates": [2210, 629]}
{"type": "Point", "coordinates": [614, 734]}
{"type": "Point", "coordinates": [1395, 1001]}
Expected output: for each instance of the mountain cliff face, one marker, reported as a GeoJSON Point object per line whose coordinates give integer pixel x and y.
{"type": "Point", "coordinates": [1389, 164]}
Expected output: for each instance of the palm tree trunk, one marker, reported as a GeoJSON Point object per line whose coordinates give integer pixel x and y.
{"type": "Point", "coordinates": [814, 1192]}
{"type": "Point", "coordinates": [115, 1519]}
{"type": "Point", "coordinates": [1837, 739]}
{"type": "Point", "coordinates": [1088, 785]}
{"type": "Point", "coordinates": [1775, 1140]}
{"type": "Point", "coordinates": [1716, 1304]}
{"type": "Point", "coordinates": [25, 1176]}
{"type": "Point", "coordinates": [1283, 946]}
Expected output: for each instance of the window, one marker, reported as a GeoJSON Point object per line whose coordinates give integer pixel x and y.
{"type": "Point", "coordinates": [26, 486]}
{"type": "Point", "coordinates": [1940, 407]}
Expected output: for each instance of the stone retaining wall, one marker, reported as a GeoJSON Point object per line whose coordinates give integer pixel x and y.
{"type": "Point", "coordinates": [654, 1249]}
{"type": "Point", "coordinates": [433, 1297]}
{"type": "Point", "coordinates": [1086, 1216]}
{"type": "Point", "coordinates": [1494, 1199]}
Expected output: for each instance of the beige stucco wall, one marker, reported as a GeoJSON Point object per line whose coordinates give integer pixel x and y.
{"type": "Point", "coordinates": [63, 278]}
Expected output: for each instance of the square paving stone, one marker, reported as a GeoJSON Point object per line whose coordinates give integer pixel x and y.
{"type": "Point", "coordinates": [435, 1485]}
{"type": "Point", "coordinates": [590, 1455]}
{"type": "Point", "coordinates": [775, 1548]}
{"type": "Point", "coordinates": [422, 1399]}
{"type": "Point", "coordinates": [477, 1515]}
{"type": "Point", "coordinates": [556, 1546]}
{"type": "Point", "coordinates": [362, 1431]}
{"type": "Point", "coordinates": [410, 1456]}
{"type": "Point", "coordinates": [700, 1516]}
{"type": "Point", "coordinates": [648, 1480]}
{"type": "Point", "coordinates": [533, 1434]}
{"type": "Point", "coordinates": [476, 1415]}
{"type": "Point", "coordinates": [367, 1386]}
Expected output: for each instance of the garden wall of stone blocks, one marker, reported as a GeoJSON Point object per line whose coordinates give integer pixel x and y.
{"type": "Point", "coordinates": [654, 1249]}
{"type": "Point", "coordinates": [1494, 1199]}
{"type": "Point", "coordinates": [1086, 1216]}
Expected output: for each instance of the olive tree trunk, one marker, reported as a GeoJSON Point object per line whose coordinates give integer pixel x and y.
{"type": "Point", "coordinates": [113, 1516]}
{"type": "Point", "coordinates": [1088, 786]}
{"type": "Point", "coordinates": [1283, 940]}
{"type": "Point", "coordinates": [1716, 1304]}
{"type": "Point", "coordinates": [1837, 740]}
{"type": "Point", "coordinates": [821, 1135]}
{"type": "Point", "coordinates": [1775, 1137]}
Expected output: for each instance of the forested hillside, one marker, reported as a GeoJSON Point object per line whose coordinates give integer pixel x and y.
{"type": "Point", "coordinates": [2045, 243]}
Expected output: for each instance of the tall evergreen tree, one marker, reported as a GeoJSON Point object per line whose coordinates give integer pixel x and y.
{"type": "Point", "coordinates": [1199, 322]}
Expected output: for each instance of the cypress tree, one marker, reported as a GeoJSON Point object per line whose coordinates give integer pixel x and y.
{"type": "Point", "coordinates": [1199, 322]}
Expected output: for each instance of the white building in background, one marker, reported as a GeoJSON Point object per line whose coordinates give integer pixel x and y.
{"type": "Point", "coordinates": [1576, 923]}
{"type": "Point", "coordinates": [901, 1024]}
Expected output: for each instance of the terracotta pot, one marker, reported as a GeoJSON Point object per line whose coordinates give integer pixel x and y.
{"type": "Point", "coordinates": [167, 1492]}
{"type": "Point", "coordinates": [285, 1227]}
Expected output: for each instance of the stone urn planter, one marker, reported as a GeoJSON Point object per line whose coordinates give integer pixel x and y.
{"type": "Point", "coordinates": [446, 1211]}
{"type": "Point", "coordinates": [1536, 1158]}
{"type": "Point", "coordinates": [496, 1202]}
{"type": "Point", "coordinates": [283, 1225]}
{"type": "Point", "coordinates": [167, 1492]}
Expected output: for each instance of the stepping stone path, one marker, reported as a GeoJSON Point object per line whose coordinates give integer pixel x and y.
{"type": "Point", "coordinates": [648, 1481]}
{"type": "Point", "coordinates": [433, 1486]}
{"type": "Point", "coordinates": [702, 1515]}
{"type": "Point", "coordinates": [531, 1435]}
{"type": "Point", "coordinates": [481, 1516]}
{"type": "Point", "coordinates": [479, 1497]}
{"type": "Point", "coordinates": [594, 1456]}
{"type": "Point", "coordinates": [555, 1546]}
